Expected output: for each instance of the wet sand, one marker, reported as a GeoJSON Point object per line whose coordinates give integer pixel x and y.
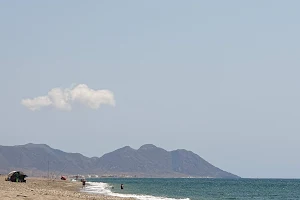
{"type": "Point", "coordinates": [39, 189]}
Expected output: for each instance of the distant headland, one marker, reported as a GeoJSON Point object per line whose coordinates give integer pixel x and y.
{"type": "Point", "coordinates": [147, 161]}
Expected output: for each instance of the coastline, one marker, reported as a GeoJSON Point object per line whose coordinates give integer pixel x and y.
{"type": "Point", "coordinates": [41, 188]}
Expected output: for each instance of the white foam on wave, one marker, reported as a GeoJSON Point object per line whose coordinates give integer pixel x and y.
{"type": "Point", "coordinates": [104, 189]}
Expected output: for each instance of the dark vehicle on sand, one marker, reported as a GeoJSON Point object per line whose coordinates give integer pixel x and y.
{"type": "Point", "coordinates": [16, 176]}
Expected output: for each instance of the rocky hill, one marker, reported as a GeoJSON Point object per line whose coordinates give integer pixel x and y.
{"type": "Point", "coordinates": [147, 161]}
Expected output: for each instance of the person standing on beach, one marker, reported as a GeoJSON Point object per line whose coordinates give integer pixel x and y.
{"type": "Point", "coordinates": [17, 176]}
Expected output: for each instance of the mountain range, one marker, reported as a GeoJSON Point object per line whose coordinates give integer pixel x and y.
{"type": "Point", "coordinates": [147, 161]}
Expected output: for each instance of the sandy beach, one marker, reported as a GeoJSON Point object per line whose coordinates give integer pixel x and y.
{"type": "Point", "coordinates": [38, 188]}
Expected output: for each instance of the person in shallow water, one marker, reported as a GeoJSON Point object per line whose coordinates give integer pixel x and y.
{"type": "Point", "coordinates": [122, 186]}
{"type": "Point", "coordinates": [83, 183]}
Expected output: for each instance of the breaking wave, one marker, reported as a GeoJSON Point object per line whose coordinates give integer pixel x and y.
{"type": "Point", "coordinates": [105, 189]}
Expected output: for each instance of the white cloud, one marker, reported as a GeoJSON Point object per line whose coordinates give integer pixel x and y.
{"type": "Point", "coordinates": [36, 103]}
{"type": "Point", "coordinates": [62, 99]}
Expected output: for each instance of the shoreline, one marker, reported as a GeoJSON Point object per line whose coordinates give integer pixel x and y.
{"type": "Point", "coordinates": [40, 188]}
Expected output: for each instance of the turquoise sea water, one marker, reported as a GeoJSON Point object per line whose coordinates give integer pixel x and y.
{"type": "Point", "coordinates": [196, 189]}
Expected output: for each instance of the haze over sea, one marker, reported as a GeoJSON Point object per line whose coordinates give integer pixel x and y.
{"type": "Point", "coordinates": [196, 189]}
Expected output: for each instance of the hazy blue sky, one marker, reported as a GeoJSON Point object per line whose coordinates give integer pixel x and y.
{"type": "Point", "coordinates": [219, 78]}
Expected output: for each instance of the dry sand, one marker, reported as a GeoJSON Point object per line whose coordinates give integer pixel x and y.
{"type": "Point", "coordinates": [37, 188]}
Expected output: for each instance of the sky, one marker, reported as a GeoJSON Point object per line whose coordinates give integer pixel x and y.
{"type": "Point", "coordinates": [219, 78]}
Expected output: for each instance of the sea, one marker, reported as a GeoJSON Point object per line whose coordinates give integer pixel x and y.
{"type": "Point", "coordinates": [196, 188]}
